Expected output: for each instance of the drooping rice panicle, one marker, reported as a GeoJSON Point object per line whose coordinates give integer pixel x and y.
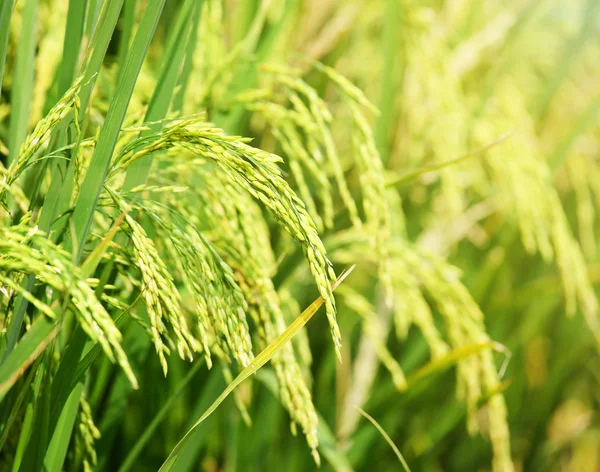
{"type": "Point", "coordinates": [246, 246]}
{"type": "Point", "coordinates": [257, 172]}
{"type": "Point", "coordinates": [25, 250]}
{"type": "Point", "coordinates": [40, 134]}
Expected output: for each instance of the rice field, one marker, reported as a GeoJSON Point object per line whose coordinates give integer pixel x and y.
{"type": "Point", "coordinates": [344, 235]}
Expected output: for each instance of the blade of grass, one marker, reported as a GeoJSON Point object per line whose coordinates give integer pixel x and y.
{"type": "Point", "coordinates": [447, 360]}
{"type": "Point", "coordinates": [245, 14]}
{"type": "Point", "coordinates": [386, 437]}
{"type": "Point", "coordinates": [34, 342]}
{"type": "Point", "coordinates": [62, 173]}
{"type": "Point", "coordinates": [21, 93]}
{"type": "Point", "coordinates": [94, 180]}
{"type": "Point", "coordinates": [115, 407]}
{"type": "Point", "coordinates": [138, 447]}
{"type": "Point", "coordinates": [61, 435]}
{"type": "Point", "coordinates": [91, 17]}
{"type": "Point", "coordinates": [10, 414]}
{"type": "Point", "coordinates": [188, 455]}
{"type": "Point", "coordinates": [6, 8]}
{"type": "Point", "coordinates": [72, 44]}
{"type": "Point", "coordinates": [188, 64]}
{"type": "Point", "coordinates": [327, 442]}
{"type": "Point", "coordinates": [412, 174]}
{"type": "Point", "coordinates": [60, 187]}
{"type": "Point", "coordinates": [107, 140]}
{"type": "Point", "coordinates": [126, 30]}
{"type": "Point", "coordinates": [260, 360]}
{"type": "Point", "coordinates": [137, 173]}
{"type": "Point", "coordinates": [261, 45]}
{"type": "Point", "coordinates": [33, 455]}
{"type": "Point", "coordinates": [27, 427]}
{"type": "Point", "coordinates": [91, 263]}
{"type": "Point", "coordinates": [96, 51]}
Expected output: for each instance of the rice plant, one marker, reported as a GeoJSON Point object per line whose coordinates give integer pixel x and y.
{"type": "Point", "coordinates": [185, 182]}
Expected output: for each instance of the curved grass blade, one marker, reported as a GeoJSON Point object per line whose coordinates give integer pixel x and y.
{"type": "Point", "coordinates": [188, 455]}
{"type": "Point", "coordinates": [386, 437]}
{"type": "Point", "coordinates": [412, 174]}
{"type": "Point", "coordinates": [448, 360]}
{"type": "Point", "coordinates": [91, 263]}
{"type": "Point", "coordinates": [138, 447]}
{"type": "Point", "coordinates": [259, 361]}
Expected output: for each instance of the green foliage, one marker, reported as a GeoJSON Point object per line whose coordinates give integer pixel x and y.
{"type": "Point", "coordinates": [188, 176]}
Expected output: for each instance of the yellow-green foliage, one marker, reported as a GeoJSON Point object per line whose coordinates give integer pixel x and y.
{"type": "Point", "coordinates": [264, 148]}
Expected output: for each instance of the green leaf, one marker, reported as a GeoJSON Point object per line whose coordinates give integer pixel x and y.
{"type": "Point", "coordinates": [28, 349]}
{"type": "Point", "coordinates": [91, 263]}
{"type": "Point", "coordinates": [413, 174]}
{"type": "Point", "coordinates": [37, 437]}
{"type": "Point", "coordinates": [137, 173]}
{"type": "Point", "coordinates": [72, 44]}
{"type": "Point", "coordinates": [22, 91]}
{"type": "Point", "coordinates": [33, 409]}
{"type": "Point", "coordinates": [265, 356]}
{"type": "Point", "coordinates": [13, 410]}
{"type": "Point", "coordinates": [126, 30]}
{"type": "Point", "coordinates": [109, 133]}
{"type": "Point", "coordinates": [328, 445]}
{"type": "Point", "coordinates": [61, 436]}
{"type": "Point", "coordinates": [6, 8]}
{"type": "Point", "coordinates": [386, 437]}
{"type": "Point", "coordinates": [448, 360]}
{"type": "Point", "coordinates": [188, 64]}
{"type": "Point", "coordinates": [138, 447]}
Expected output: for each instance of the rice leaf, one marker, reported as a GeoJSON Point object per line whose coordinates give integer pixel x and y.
{"type": "Point", "coordinates": [22, 91]}
{"type": "Point", "coordinates": [260, 360]}
{"type": "Point", "coordinates": [386, 437]}
{"type": "Point", "coordinates": [30, 346]}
